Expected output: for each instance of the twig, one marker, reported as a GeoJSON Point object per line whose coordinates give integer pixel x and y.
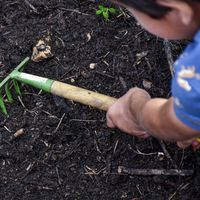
{"type": "Point", "coordinates": [115, 147]}
{"type": "Point", "coordinates": [123, 83]}
{"type": "Point", "coordinates": [73, 147]}
{"type": "Point", "coordinates": [104, 74]}
{"type": "Point", "coordinates": [49, 114]}
{"type": "Point", "coordinates": [31, 6]}
{"type": "Point", "coordinates": [169, 56]}
{"type": "Point", "coordinates": [59, 180]}
{"type": "Point", "coordinates": [28, 169]}
{"type": "Point", "coordinates": [153, 172]}
{"type": "Point", "coordinates": [97, 147]}
{"type": "Point", "coordinates": [162, 144]}
{"type": "Point", "coordinates": [22, 103]}
{"type": "Point", "coordinates": [90, 171]}
{"type": "Point", "coordinates": [73, 10]}
{"type": "Point", "coordinates": [182, 158]}
{"type": "Point", "coordinates": [7, 129]}
{"type": "Point", "coordinates": [61, 119]}
{"type": "Point", "coordinates": [83, 120]}
{"type": "Point", "coordinates": [181, 187]}
{"type": "Point", "coordinates": [144, 154]}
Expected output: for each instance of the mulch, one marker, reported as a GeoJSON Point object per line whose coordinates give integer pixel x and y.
{"type": "Point", "coordinates": [66, 150]}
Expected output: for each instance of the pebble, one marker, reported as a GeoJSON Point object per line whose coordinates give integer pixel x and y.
{"type": "Point", "coordinates": [72, 80]}
{"type": "Point", "coordinates": [92, 65]}
{"type": "Point", "coordinates": [147, 84]}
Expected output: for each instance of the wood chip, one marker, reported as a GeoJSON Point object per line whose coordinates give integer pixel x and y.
{"type": "Point", "coordinates": [17, 134]}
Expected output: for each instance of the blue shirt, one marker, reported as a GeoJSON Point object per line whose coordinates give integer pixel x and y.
{"type": "Point", "coordinates": [186, 85]}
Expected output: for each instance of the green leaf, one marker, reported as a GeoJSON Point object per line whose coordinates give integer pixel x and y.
{"type": "Point", "coordinates": [8, 93]}
{"type": "Point", "coordinates": [16, 86]}
{"type": "Point", "coordinates": [106, 15]}
{"type": "Point", "coordinates": [101, 7]}
{"type": "Point", "coordinates": [2, 105]}
{"type": "Point", "coordinates": [98, 12]}
{"type": "Point", "coordinates": [112, 10]}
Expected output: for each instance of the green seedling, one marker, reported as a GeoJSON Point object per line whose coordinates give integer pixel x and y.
{"type": "Point", "coordinates": [105, 11]}
{"type": "Point", "coordinates": [5, 83]}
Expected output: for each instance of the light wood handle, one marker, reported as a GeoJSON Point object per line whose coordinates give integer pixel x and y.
{"type": "Point", "coordinates": [81, 95]}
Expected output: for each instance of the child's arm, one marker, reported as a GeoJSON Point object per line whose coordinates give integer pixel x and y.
{"type": "Point", "coordinates": [136, 112]}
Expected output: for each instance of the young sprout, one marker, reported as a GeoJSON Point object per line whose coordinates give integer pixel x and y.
{"type": "Point", "coordinates": [105, 11]}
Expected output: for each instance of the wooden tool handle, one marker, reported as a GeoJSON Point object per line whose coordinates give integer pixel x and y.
{"type": "Point", "coordinates": [81, 95]}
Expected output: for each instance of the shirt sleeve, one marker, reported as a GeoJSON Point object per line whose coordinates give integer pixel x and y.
{"type": "Point", "coordinates": [186, 85]}
{"type": "Point", "coordinates": [186, 93]}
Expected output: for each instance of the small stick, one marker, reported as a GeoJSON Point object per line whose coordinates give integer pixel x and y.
{"type": "Point", "coordinates": [73, 10]}
{"type": "Point", "coordinates": [123, 83]}
{"type": "Point", "coordinates": [169, 56]}
{"type": "Point", "coordinates": [162, 144]}
{"type": "Point", "coordinates": [154, 172]}
{"type": "Point", "coordinates": [59, 179]}
{"type": "Point", "coordinates": [31, 6]}
{"type": "Point", "coordinates": [181, 187]}
{"type": "Point", "coordinates": [59, 123]}
{"type": "Point", "coordinates": [7, 129]}
{"type": "Point", "coordinates": [104, 74]}
{"type": "Point", "coordinates": [28, 169]}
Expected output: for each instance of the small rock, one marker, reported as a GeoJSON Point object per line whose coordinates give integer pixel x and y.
{"type": "Point", "coordinates": [161, 156]}
{"type": "Point", "coordinates": [147, 84]}
{"type": "Point", "coordinates": [89, 36]}
{"type": "Point", "coordinates": [72, 80]}
{"type": "Point", "coordinates": [92, 65]}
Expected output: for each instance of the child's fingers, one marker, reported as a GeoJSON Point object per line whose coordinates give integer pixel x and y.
{"type": "Point", "coordinates": [143, 134]}
{"type": "Point", "coordinates": [184, 144]}
{"type": "Point", "coordinates": [109, 122]}
{"type": "Point", "coordinates": [195, 144]}
{"type": "Point", "coordinates": [192, 142]}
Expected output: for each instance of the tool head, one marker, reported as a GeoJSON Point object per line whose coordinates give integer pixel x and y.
{"type": "Point", "coordinates": [5, 83]}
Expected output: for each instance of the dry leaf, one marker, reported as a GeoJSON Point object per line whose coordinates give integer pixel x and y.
{"type": "Point", "coordinates": [42, 50]}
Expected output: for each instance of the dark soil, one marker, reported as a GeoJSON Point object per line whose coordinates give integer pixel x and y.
{"type": "Point", "coordinates": [78, 157]}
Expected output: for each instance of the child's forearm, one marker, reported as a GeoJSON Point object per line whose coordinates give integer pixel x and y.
{"type": "Point", "coordinates": [158, 118]}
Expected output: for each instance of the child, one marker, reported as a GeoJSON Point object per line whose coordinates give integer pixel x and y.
{"type": "Point", "coordinates": [177, 118]}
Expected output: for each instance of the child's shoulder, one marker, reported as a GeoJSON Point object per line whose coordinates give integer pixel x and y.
{"type": "Point", "coordinates": [191, 54]}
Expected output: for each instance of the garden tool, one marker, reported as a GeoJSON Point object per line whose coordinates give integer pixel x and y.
{"type": "Point", "coordinates": [87, 97]}
{"type": "Point", "coordinates": [70, 92]}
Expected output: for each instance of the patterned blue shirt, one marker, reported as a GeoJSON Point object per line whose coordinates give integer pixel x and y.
{"type": "Point", "coordinates": [186, 85]}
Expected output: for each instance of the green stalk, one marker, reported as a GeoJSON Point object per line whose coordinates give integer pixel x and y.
{"type": "Point", "coordinates": [36, 81]}
{"type": "Point", "coordinates": [2, 105]}
{"type": "Point", "coordinates": [8, 93]}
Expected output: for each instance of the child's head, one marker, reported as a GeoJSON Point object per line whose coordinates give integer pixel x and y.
{"type": "Point", "coordinates": [173, 19]}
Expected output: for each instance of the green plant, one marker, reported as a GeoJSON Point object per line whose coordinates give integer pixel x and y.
{"type": "Point", "coordinates": [105, 11]}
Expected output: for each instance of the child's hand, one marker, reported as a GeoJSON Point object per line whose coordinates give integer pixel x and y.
{"type": "Point", "coordinates": [191, 142]}
{"type": "Point", "coordinates": [123, 113]}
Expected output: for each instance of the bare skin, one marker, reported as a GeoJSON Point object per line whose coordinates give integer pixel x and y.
{"type": "Point", "coordinates": [135, 112]}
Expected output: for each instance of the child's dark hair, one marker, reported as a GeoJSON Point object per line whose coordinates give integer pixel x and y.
{"type": "Point", "coordinates": [150, 7]}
